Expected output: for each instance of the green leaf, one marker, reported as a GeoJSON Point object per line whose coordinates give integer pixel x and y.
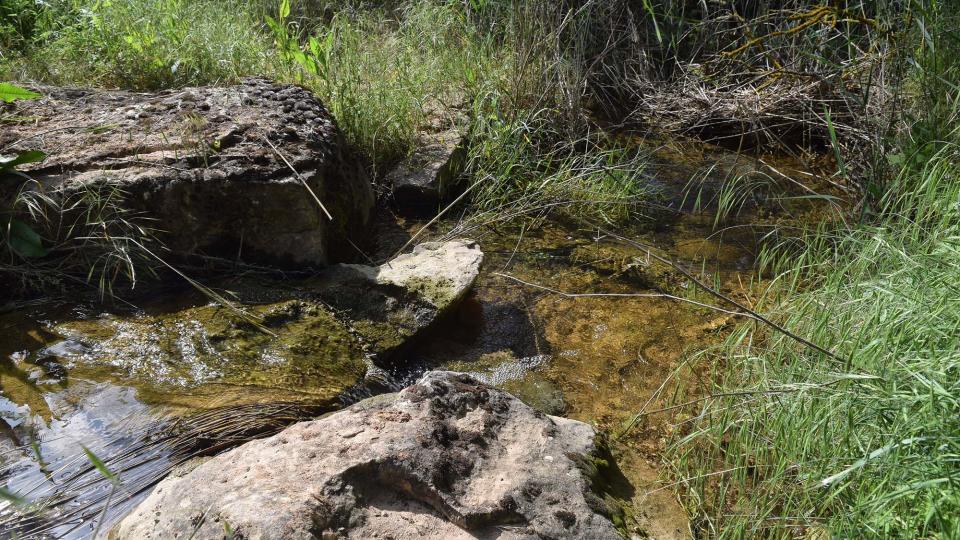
{"type": "Point", "coordinates": [10, 93]}
{"type": "Point", "coordinates": [284, 9]}
{"type": "Point", "coordinates": [274, 25]}
{"type": "Point", "coordinates": [328, 42]}
{"type": "Point", "coordinates": [100, 465]}
{"type": "Point", "coordinates": [25, 241]}
{"type": "Point", "coordinates": [30, 156]}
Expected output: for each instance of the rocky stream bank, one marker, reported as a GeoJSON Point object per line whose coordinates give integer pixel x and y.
{"type": "Point", "coordinates": [445, 392]}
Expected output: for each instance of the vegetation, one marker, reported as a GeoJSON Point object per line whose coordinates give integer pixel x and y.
{"type": "Point", "coordinates": [790, 442]}
{"type": "Point", "coordinates": [793, 442]}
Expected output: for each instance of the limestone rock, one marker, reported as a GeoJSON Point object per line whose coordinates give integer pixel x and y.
{"type": "Point", "coordinates": [425, 180]}
{"type": "Point", "coordinates": [445, 458]}
{"type": "Point", "coordinates": [395, 301]}
{"type": "Point", "coordinates": [199, 162]}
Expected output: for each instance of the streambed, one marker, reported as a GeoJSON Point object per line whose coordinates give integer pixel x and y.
{"type": "Point", "coordinates": [75, 376]}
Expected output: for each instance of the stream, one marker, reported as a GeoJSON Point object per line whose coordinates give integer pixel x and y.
{"type": "Point", "coordinates": [562, 316]}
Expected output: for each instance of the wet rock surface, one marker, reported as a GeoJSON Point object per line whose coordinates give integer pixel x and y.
{"type": "Point", "coordinates": [311, 340]}
{"type": "Point", "coordinates": [212, 167]}
{"type": "Point", "coordinates": [445, 458]}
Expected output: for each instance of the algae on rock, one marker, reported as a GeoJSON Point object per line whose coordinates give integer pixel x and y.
{"type": "Point", "coordinates": [301, 352]}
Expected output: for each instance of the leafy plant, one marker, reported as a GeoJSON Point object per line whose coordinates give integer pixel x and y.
{"type": "Point", "coordinates": [10, 93]}
{"type": "Point", "coordinates": [314, 59]}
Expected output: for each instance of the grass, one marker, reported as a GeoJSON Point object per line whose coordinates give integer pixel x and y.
{"type": "Point", "coordinates": [797, 444]}
{"type": "Point", "coordinates": [90, 239]}
{"type": "Point", "coordinates": [862, 448]}
{"type": "Point", "coordinates": [142, 45]}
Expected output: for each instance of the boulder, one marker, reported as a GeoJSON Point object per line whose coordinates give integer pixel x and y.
{"type": "Point", "coordinates": [448, 457]}
{"type": "Point", "coordinates": [427, 177]}
{"type": "Point", "coordinates": [232, 172]}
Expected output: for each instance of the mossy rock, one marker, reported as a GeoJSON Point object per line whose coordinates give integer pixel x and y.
{"type": "Point", "coordinates": [299, 351]}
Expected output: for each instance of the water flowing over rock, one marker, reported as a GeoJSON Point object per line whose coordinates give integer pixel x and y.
{"type": "Point", "coordinates": [448, 457]}
{"type": "Point", "coordinates": [230, 171]}
{"type": "Point", "coordinates": [311, 341]}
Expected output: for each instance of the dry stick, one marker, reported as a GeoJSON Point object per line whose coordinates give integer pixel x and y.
{"type": "Point", "coordinates": [744, 309]}
{"type": "Point", "coordinates": [617, 295]}
{"type": "Point", "coordinates": [255, 321]}
{"type": "Point", "coordinates": [314, 195]}
{"type": "Point", "coordinates": [653, 396]}
{"type": "Point", "coordinates": [302, 180]}
{"type": "Point", "coordinates": [515, 248]}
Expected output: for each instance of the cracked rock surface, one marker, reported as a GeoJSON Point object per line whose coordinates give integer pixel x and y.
{"type": "Point", "coordinates": [199, 162]}
{"type": "Point", "coordinates": [448, 458]}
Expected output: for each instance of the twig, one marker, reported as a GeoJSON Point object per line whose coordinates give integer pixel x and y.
{"type": "Point", "coordinates": [515, 248]}
{"type": "Point", "coordinates": [300, 178]}
{"type": "Point", "coordinates": [435, 219]}
{"type": "Point", "coordinates": [619, 295]}
{"type": "Point", "coordinates": [255, 321]}
{"type": "Point", "coordinates": [725, 298]}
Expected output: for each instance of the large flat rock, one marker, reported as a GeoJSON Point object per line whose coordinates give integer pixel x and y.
{"type": "Point", "coordinates": [392, 303]}
{"type": "Point", "coordinates": [221, 171]}
{"type": "Point", "coordinates": [445, 458]}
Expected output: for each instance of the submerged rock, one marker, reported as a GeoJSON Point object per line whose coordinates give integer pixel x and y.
{"type": "Point", "coordinates": [445, 458]}
{"type": "Point", "coordinates": [221, 171]}
{"type": "Point", "coordinates": [213, 355]}
{"type": "Point", "coordinates": [312, 341]}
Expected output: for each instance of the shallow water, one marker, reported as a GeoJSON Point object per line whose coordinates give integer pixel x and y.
{"type": "Point", "coordinates": [74, 376]}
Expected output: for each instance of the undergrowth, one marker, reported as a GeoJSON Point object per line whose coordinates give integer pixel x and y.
{"type": "Point", "coordinates": [136, 45]}
{"type": "Point", "coordinates": [796, 444]}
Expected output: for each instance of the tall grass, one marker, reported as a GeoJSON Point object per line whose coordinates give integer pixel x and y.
{"type": "Point", "coordinates": [792, 443]}
{"type": "Point", "coordinates": [138, 45]}
{"type": "Point", "coordinates": [90, 240]}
